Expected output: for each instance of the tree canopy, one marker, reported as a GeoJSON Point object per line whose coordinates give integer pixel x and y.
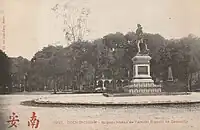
{"type": "Point", "coordinates": [83, 62]}
{"type": "Point", "coordinates": [5, 77]}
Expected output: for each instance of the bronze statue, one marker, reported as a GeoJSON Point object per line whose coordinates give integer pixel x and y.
{"type": "Point", "coordinates": [139, 32]}
{"type": "Point", "coordinates": [141, 44]}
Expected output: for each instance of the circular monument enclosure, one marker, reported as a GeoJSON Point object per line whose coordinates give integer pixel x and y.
{"type": "Point", "coordinates": [100, 100]}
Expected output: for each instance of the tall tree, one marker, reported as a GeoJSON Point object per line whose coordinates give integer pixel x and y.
{"type": "Point", "coordinates": [19, 69]}
{"type": "Point", "coordinates": [74, 21]}
{"type": "Point", "coordinates": [5, 77]}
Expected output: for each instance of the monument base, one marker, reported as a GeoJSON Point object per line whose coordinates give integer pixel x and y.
{"type": "Point", "coordinates": [142, 81]}
{"type": "Point", "coordinates": [143, 87]}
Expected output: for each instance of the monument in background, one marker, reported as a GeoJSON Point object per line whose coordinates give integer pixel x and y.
{"type": "Point", "coordinates": [170, 75]}
{"type": "Point", "coordinates": [142, 81]}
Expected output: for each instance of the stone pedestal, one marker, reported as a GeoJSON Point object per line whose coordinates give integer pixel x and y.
{"type": "Point", "coordinates": [142, 81]}
{"type": "Point", "coordinates": [141, 69]}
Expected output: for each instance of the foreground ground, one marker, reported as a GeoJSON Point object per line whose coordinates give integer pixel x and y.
{"type": "Point", "coordinates": [99, 118]}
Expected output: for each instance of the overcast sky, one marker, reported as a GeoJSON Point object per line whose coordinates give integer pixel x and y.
{"type": "Point", "coordinates": [31, 25]}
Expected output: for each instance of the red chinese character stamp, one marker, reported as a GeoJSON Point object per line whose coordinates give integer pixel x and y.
{"type": "Point", "coordinates": [13, 120]}
{"type": "Point", "coordinates": [34, 122]}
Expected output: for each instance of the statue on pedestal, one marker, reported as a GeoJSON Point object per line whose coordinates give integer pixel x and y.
{"type": "Point", "coordinates": [141, 44]}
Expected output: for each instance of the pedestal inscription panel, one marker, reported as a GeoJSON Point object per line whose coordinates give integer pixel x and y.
{"type": "Point", "coordinates": [142, 70]}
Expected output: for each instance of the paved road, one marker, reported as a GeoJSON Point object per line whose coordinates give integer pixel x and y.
{"type": "Point", "coordinates": [100, 118]}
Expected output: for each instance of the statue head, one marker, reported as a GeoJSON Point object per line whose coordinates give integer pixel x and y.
{"type": "Point", "coordinates": [139, 26]}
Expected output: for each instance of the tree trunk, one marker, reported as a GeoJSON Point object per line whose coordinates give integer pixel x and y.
{"type": "Point", "coordinates": [95, 79]}
{"type": "Point", "coordinates": [54, 86]}
{"type": "Point", "coordinates": [189, 82]}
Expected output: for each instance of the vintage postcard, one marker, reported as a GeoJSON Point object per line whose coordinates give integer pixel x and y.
{"type": "Point", "coordinates": [99, 64]}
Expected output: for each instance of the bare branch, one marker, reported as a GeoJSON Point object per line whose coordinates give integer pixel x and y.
{"type": "Point", "coordinates": [74, 21]}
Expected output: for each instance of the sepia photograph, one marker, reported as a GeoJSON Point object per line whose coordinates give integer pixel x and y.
{"type": "Point", "coordinates": [100, 64]}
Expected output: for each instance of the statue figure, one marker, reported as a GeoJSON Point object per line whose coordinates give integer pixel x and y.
{"type": "Point", "coordinates": [139, 33]}
{"type": "Point", "coordinates": [141, 44]}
